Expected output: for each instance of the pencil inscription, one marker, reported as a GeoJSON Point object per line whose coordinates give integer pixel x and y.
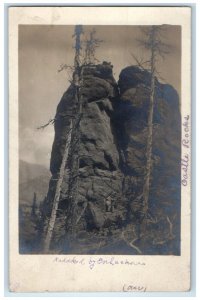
{"type": "Point", "coordinates": [186, 145]}
{"type": "Point", "coordinates": [92, 262]}
{"type": "Point", "coordinates": [133, 288]}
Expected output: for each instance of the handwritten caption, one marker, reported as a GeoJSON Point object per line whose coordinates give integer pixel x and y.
{"type": "Point", "coordinates": [94, 262]}
{"type": "Point", "coordinates": [133, 288]}
{"type": "Point", "coordinates": [186, 151]}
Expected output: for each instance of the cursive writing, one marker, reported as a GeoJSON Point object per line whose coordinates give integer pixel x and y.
{"type": "Point", "coordinates": [185, 151]}
{"type": "Point", "coordinates": [93, 262]}
{"type": "Point", "coordinates": [186, 132]}
{"type": "Point", "coordinates": [73, 261]}
{"type": "Point", "coordinates": [133, 288]}
{"type": "Point", "coordinates": [113, 262]}
{"type": "Point", "coordinates": [184, 166]}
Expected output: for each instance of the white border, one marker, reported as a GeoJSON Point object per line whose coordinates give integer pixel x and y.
{"type": "Point", "coordinates": [178, 2]}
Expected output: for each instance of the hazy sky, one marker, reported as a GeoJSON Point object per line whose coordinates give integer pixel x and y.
{"type": "Point", "coordinates": [43, 48]}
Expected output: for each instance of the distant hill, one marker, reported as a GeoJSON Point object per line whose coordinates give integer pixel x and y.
{"type": "Point", "coordinates": [28, 171]}
{"type": "Point", "coordinates": [32, 178]}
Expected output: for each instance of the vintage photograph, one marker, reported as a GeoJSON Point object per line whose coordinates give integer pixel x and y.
{"type": "Point", "coordinates": [99, 139]}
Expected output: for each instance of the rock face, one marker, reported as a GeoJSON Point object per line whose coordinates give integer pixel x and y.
{"type": "Point", "coordinates": [99, 173]}
{"type": "Point", "coordinates": [111, 151]}
{"type": "Point", "coordinates": [98, 176]}
{"type": "Point", "coordinates": [131, 121]}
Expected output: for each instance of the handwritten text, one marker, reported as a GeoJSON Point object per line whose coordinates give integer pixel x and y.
{"type": "Point", "coordinates": [186, 148]}
{"type": "Point", "coordinates": [92, 262]}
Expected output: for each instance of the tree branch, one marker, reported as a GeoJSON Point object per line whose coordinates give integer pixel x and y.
{"type": "Point", "coordinates": [51, 121]}
{"type": "Point", "coordinates": [131, 243]}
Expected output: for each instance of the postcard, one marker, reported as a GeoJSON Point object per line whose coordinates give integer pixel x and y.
{"type": "Point", "coordinates": [99, 149]}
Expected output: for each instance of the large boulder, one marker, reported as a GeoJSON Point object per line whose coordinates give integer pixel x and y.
{"type": "Point", "coordinates": [108, 157]}
{"type": "Point", "coordinates": [131, 122]}
{"type": "Point", "coordinates": [98, 175]}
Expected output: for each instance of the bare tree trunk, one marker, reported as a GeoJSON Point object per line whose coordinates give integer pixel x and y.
{"type": "Point", "coordinates": [56, 200]}
{"type": "Point", "coordinates": [77, 35]}
{"type": "Point", "coordinates": [146, 186]}
{"type": "Point", "coordinates": [74, 182]}
{"type": "Point", "coordinates": [69, 141]}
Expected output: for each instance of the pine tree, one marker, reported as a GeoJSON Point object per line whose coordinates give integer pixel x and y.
{"type": "Point", "coordinates": [68, 145]}
{"type": "Point", "coordinates": [153, 43]}
{"type": "Point", "coordinates": [77, 35]}
{"type": "Point", "coordinates": [34, 206]}
{"type": "Point", "coordinates": [91, 45]}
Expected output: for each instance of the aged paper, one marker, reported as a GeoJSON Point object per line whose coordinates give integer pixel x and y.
{"type": "Point", "coordinates": [114, 212]}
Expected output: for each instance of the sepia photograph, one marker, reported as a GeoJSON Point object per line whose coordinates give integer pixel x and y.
{"type": "Point", "coordinates": [99, 169]}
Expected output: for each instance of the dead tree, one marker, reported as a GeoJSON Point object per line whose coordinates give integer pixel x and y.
{"type": "Point", "coordinates": [153, 42]}
{"type": "Point", "coordinates": [68, 145]}
{"type": "Point", "coordinates": [146, 187]}
{"type": "Point", "coordinates": [73, 216]}
{"type": "Point", "coordinates": [77, 35]}
{"type": "Point", "coordinates": [70, 160]}
{"type": "Point", "coordinates": [74, 69]}
{"type": "Point", "coordinates": [56, 200]}
{"type": "Point", "coordinates": [157, 48]}
{"type": "Point", "coordinates": [91, 45]}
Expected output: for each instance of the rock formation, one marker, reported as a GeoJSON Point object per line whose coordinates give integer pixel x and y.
{"type": "Point", "coordinates": [98, 181]}
{"type": "Point", "coordinates": [111, 152]}
{"type": "Point", "coordinates": [131, 122]}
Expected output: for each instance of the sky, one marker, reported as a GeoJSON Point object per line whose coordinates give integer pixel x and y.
{"type": "Point", "coordinates": [43, 48]}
